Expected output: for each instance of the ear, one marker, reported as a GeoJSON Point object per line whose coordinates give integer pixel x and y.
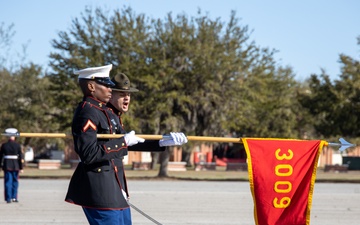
{"type": "Point", "coordinates": [91, 86]}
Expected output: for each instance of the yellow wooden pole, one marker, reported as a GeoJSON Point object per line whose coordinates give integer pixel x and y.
{"type": "Point", "coordinates": [44, 135]}
{"type": "Point", "coordinates": [145, 136]}
{"type": "Point", "coordinates": [214, 139]}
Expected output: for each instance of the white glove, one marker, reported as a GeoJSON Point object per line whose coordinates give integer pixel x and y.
{"type": "Point", "coordinates": [131, 139]}
{"type": "Point", "coordinates": [177, 138]}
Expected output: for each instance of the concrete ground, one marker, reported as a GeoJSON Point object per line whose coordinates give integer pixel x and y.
{"type": "Point", "coordinates": [176, 203]}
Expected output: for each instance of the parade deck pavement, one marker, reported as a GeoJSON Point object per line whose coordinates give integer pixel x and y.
{"type": "Point", "coordinates": [176, 202]}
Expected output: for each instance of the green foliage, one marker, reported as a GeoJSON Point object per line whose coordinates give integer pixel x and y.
{"type": "Point", "coordinates": [335, 105]}
{"type": "Point", "coordinates": [270, 106]}
{"type": "Point", "coordinates": [25, 103]}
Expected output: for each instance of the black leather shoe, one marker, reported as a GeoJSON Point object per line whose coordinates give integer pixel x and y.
{"type": "Point", "coordinates": [14, 200]}
{"type": "Point", "coordinates": [8, 201]}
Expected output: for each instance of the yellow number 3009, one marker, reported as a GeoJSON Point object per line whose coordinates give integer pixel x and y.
{"type": "Point", "coordinates": [283, 170]}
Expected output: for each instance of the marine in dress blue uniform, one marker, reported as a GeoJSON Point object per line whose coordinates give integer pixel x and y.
{"type": "Point", "coordinates": [11, 161]}
{"type": "Point", "coordinates": [99, 183]}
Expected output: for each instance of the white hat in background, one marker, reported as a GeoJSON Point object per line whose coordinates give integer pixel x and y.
{"type": "Point", "coordinates": [99, 74]}
{"type": "Point", "coordinates": [11, 131]}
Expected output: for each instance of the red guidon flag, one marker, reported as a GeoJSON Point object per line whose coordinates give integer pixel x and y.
{"type": "Point", "coordinates": [282, 174]}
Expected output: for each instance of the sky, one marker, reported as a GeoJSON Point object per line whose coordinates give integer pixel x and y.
{"type": "Point", "coordinates": [308, 35]}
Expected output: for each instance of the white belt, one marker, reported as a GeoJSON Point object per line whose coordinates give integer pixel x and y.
{"type": "Point", "coordinates": [10, 157]}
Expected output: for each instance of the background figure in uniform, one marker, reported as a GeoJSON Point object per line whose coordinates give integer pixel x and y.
{"type": "Point", "coordinates": [11, 161]}
{"type": "Point", "coordinates": [119, 103]}
{"type": "Point", "coordinates": [98, 183]}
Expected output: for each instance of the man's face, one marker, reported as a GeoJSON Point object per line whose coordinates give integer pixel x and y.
{"type": "Point", "coordinates": [121, 100]}
{"type": "Point", "coordinates": [100, 92]}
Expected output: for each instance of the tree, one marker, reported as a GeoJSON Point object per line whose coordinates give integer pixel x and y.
{"type": "Point", "coordinates": [335, 105]}
{"type": "Point", "coordinates": [196, 75]}
{"type": "Point", "coordinates": [95, 40]}
{"type": "Point", "coordinates": [25, 103]}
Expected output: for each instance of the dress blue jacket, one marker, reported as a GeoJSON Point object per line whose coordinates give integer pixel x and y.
{"type": "Point", "coordinates": [99, 177]}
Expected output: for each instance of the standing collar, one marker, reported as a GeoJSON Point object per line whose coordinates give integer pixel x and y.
{"type": "Point", "coordinates": [115, 110]}
{"type": "Point", "coordinates": [96, 102]}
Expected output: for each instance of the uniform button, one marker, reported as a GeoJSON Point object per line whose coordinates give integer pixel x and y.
{"type": "Point", "coordinates": [109, 148]}
{"type": "Point", "coordinates": [116, 146]}
{"type": "Point", "coordinates": [122, 144]}
{"type": "Point", "coordinates": [99, 170]}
